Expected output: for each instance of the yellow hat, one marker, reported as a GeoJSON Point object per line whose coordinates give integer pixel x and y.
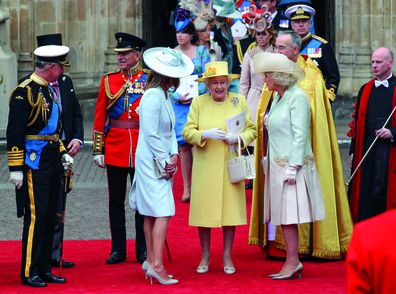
{"type": "Point", "coordinates": [216, 69]}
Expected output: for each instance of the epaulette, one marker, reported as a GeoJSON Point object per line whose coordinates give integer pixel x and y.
{"type": "Point", "coordinates": [319, 39]}
{"type": "Point", "coordinates": [112, 72]}
{"type": "Point", "coordinates": [145, 70]}
{"type": "Point", "coordinates": [24, 83]}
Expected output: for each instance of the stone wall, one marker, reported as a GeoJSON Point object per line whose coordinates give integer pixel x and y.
{"type": "Point", "coordinates": [87, 27]}
{"type": "Point", "coordinates": [361, 26]}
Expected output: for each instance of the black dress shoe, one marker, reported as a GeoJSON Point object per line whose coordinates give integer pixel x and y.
{"type": "Point", "coordinates": [141, 257]}
{"type": "Point", "coordinates": [65, 264]}
{"type": "Point", "coordinates": [50, 278]}
{"type": "Point", "coordinates": [116, 257]}
{"type": "Point", "coordinates": [34, 281]}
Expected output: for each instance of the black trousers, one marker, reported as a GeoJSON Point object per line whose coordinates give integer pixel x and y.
{"type": "Point", "coordinates": [40, 213]}
{"type": "Point", "coordinates": [59, 226]}
{"type": "Point", "coordinates": [117, 182]}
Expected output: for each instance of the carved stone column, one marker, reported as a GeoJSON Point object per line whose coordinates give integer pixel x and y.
{"type": "Point", "coordinates": [8, 69]}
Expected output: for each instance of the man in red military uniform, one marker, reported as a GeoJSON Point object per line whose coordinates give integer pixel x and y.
{"type": "Point", "coordinates": [371, 255]}
{"type": "Point", "coordinates": [115, 142]}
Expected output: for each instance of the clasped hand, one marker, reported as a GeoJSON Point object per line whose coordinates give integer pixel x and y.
{"type": "Point", "coordinates": [171, 168]}
{"type": "Point", "coordinates": [291, 174]}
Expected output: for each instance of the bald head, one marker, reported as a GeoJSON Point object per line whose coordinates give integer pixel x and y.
{"type": "Point", "coordinates": [382, 63]}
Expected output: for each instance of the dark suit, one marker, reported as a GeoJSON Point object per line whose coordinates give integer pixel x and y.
{"type": "Point", "coordinates": [72, 128]}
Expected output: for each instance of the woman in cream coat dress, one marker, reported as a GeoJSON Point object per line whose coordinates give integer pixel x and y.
{"type": "Point", "coordinates": [292, 193]}
{"type": "Point", "coordinates": [151, 191]}
{"type": "Point", "coordinates": [215, 202]}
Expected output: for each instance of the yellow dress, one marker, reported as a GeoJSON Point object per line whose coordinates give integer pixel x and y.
{"type": "Point", "coordinates": [328, 238]}
{"type": "Point", "coordinates": [215, 202]}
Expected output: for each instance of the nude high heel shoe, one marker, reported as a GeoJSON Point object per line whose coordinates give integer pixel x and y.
{"type": "Point", "coordinates": [146, 265]}
{"type": "Point", "coordinates": [151, 273]}
{"type": "Point", "coordinates": [296, 273]}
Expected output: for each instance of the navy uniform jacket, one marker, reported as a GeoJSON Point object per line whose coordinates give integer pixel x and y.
{"type": "Point", "coordinates": [29, 111]}
{"type": "Point", "coordinates": [320, 51]}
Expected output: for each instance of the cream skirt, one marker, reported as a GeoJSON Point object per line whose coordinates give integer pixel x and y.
{"type": "Point", "coordinates": [286, 204]}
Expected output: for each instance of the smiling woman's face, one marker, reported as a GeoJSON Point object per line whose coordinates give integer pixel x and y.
{"type": "Point", "coordinates": [218, 87]}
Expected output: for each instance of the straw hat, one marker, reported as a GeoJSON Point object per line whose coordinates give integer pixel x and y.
{"type": "Point", "coordinates": [168, 62]}
{"type": "Point", "coordinates": [216, 69]}
{"type": "Point", "coordinates": [264, 62]}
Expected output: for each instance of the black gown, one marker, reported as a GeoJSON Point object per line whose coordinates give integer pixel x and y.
{"type": "Point", "coordinates": [374, 170]}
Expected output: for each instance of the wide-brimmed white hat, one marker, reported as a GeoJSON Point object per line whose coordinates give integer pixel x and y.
{"type": "Point", "coordinates": [168, 62]}
{"type": "Point", "coordinates": [264, 62]}
{"type": "Point", "coordinates": [227, 8]}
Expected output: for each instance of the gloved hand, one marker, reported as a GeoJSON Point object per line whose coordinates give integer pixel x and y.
{"type": "Point", "coordinates": [291, 173]}
{"type": "Point", "coordinates": [231, 139]}
{"type": "Point", "coordinates": [16, 177]}
{"type": "Point", "coordinates": [99, 161]}
{"type": "Point", "coordinates": [67, 161]}
{"type": "Point", "coordinates": [214, 134]}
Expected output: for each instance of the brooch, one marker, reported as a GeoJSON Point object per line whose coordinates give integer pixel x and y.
{"type": "Point", "coordinates": [33, 156]}
{"type": "Point", "coordinates": [235, 101]}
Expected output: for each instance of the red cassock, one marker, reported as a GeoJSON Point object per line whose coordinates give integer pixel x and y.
{"type": "Point", "coordinates": [116, 122]}
{"type": "Point", "coordinates": [371, 258]}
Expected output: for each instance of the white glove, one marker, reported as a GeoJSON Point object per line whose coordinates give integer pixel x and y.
{"type": "Point", "coordinates": [67, 161]}
{"type": "Point", "coordinates": [16, 177]}
{"type": "Point", "coordinates": [99, 161]}
{"type": "Point", "coordinates": [214, 134]}
{"type": "Point", "coordinates": [291, 173]}
{"type": "Point", "coordinates": [231, 139]}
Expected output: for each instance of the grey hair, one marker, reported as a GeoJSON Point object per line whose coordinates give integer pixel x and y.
{"type": "Point", "coordinates": [294, 37]}
{"type": "Point", "coordinates": [283, 79]}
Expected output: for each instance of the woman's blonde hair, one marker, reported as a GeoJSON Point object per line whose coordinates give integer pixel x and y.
{"type": "Point", "coordinates": [155, 80]}
{"type": "Point", "coordinates": [283, 79]}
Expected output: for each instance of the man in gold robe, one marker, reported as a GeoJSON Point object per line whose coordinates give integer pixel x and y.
{"type": "Point", "coordinates": [329, 238]}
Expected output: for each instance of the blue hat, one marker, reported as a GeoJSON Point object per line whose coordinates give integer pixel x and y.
{"type": "Point", "coordinates": [182, 19]}
{"type": "Point", "coordinates": [293, 2]}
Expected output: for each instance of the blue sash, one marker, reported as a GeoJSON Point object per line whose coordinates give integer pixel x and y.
{"type": "Point", "coordinates": [312, 44]}
{"type": "Point", "coordinates": [35, 147]}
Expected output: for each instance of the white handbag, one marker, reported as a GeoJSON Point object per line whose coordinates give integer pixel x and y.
{"type": "Point", "coordinates": [242, 167]}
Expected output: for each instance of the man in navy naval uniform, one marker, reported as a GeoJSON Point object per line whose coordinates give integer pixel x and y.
{"type": "Point", "coordinates": [35, 157]}
{"type": "Point", "coordinates": [317, 48]}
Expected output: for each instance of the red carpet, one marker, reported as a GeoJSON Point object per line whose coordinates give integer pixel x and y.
{"type": "Point", "coordinates": [92, 275]}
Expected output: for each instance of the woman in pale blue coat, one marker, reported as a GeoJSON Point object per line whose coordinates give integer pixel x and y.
{"type": "Point", "coordinates": [292, 193]}
{"type": "Point", "coordinates": [156, 155]}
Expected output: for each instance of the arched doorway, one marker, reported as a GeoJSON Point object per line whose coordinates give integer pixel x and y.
{"type": "Point", "coordinates": [157, 29]}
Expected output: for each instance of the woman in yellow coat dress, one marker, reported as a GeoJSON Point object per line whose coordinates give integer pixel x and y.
{"type": "Point", "coordinates": [215, 202]}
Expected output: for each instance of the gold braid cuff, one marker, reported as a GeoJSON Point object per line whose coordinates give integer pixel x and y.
{"type": "Point", "coordinates": [98, 144]}
{"type": "Point", "coordinates": [16, 157]}
{"type": "Point", "coordinates": [62, 148]}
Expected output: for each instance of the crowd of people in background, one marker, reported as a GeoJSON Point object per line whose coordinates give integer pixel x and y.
{"type": "Point", "coordinates": [257, 60]}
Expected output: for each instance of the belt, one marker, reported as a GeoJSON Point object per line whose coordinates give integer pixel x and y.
{"type": "Point", "coordinates": [124, 124]}
{"type": "Point", "coordinates": [54, 137]}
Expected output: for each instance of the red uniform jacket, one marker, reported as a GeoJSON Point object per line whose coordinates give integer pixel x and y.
{"type": "Point", "coordinates": [118, 144]}
{"type": "Point", "coordinates": [371, 258]}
